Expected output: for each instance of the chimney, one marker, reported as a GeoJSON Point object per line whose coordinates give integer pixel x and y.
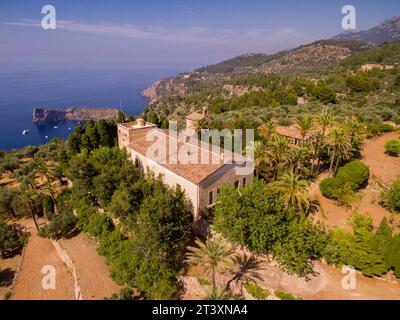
{"type": "Point", "coordinates": [140, 122]}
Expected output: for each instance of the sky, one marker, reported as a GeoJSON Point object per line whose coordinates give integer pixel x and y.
{"type": "Point", "coordinates": [160, 33]}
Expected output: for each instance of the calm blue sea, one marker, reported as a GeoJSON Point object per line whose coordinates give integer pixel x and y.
{"type": "Point", "coordinates": [20, 92]}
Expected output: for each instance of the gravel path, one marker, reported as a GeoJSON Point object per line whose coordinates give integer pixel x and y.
{"type": "Point", "coordinates": [40, 252]}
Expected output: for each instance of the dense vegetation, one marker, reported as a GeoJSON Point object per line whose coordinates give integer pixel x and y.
{"type": "Point", "coordinates": [372, 252]}
{"type": "Point", "coordinates": [371, 97]}
{"type": "Point", "coordinates": [258, 219]}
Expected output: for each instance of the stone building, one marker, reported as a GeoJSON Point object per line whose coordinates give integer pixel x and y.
{"type": "Point", "coordinates": [201, 181]}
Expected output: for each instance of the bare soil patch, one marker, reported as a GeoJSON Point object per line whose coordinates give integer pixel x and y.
{"type": "Point", "coordinates": [91, 268]}
{"type": "Point", "coordinates": [384, 167]}
{"type": "Point", "coordinates": [39, 252]}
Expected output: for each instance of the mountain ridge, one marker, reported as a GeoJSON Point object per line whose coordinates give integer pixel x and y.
{"type": "Point", "coordinates": [318, 54]}
{"type": "Point", "coordinates": [386, 31]}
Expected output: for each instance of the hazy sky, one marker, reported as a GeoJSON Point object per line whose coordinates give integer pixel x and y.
{"type": "Point", "coordinates": [129, 33]}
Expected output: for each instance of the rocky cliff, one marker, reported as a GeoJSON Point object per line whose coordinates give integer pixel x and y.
{"type": "Point", "coordinates": [42, 115]}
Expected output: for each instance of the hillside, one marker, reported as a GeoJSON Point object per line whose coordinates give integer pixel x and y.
{"type": "Point", "coordinates": [248, 100]}
{"type": "Point", "coordinates": [387, 31]}
{"type": "Point", "coordinates": [315, 55]}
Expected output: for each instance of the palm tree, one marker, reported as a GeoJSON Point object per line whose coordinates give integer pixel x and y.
{"type": "Point", "coordinates": [52, 192]}
{"type": "Point", "coordinates": [318, 142]}
{"type": "Point", "coordinates": [267, 129]}
{"type": "Point", "coordinates": [51, 172]}
{"type": "Point", "coordinates": [340, 147]}
{"type": "Point", "coordinates": [245, 269]}
{"type": "Point", "coordinates": [28, 196]}
{"type": "Point", "coordinates": [295, 191]}
{"type": "Point", "coordinates": [259, 156]}
{"type": "Point", "coordinates": [296, 158]}
{"type": "Point", "coordinates": [55, 173]}
{"type": "Point", "coordinates": [354, 129]}
{"type": "Point", "coordinates": [305, 124]}
{"type": "Point", "coordinates": [198, 126]}
{"type": "Point", "coordinates": [213, 256]}
{"type": "Point", "coordinates": [325, 119]}
{"type": "Point", "coordinates": [278, 153]}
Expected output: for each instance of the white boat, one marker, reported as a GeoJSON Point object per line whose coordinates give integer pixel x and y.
{"type": "Point", "coordinates": [25, 132]}
{"type": "Point", "coordinates": [55, 127]}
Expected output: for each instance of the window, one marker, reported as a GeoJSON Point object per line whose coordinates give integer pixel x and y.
{"type": "Point", "coordinates": [244, 182]}
{"type": "Point", "coordinates": [210, 198]}
{"type": "Point", "coordinates": [237, 184]}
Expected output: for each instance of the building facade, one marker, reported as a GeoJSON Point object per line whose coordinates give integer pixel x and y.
{"type": "Point", "coordinates": [200, 181]}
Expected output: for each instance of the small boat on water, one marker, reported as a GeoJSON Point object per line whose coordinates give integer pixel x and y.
{"type": "Point", "coordinates": [25, 132]}
{"type": "Point", "coordinates": [55, 127]}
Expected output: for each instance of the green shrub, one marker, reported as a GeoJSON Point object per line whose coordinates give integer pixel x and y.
{"type": "Point", "coordinates": [61, 224]}
{"type": "Point", "coordinates": [373, 253]}
{"type": "Point", "coordinates": [12, 239]}
{"type": "Point", "coordinates": [330, 188]}
{"type": "Point", "coordinates": [9, 162]}
{"type": "Point", "coordinates": [354, 173]}
{"type": "Point", "coordinates": [391, 198]}
{"type": "Point", "coordinates": [285, 296]}
{"type": "Point", "coordinates": [350, 178]}
{"type": "Point", "coordinates": [256, 291]}
{"type": "Point", "coordinates": [392, 148]}
{"type": "Point", "coordinates": [377, 128]}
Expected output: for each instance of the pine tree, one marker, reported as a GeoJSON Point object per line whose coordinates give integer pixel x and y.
{"type": "Point", "coordinates": [394, 255]}
{"type": "Point", "coordinates": [384, 238]}
{"type": "Point", "coordinates": [366, 252]}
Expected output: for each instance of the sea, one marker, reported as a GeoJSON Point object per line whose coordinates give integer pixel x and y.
{"type": "Point", "coordinates": [22, 91]}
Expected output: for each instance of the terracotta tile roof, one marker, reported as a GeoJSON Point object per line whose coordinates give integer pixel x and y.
{"type": "Point", "coordinates": [194, 172]}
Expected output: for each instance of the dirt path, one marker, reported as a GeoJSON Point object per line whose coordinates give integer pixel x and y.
{"type": "Point", "coordinates": [382, 166]}
{"type": "Point", "coordinates": [40, 252]}
{"type": "Point", "coordinates": [91, 269]}
{"type": "Point", "coordinates": [326, 284]}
